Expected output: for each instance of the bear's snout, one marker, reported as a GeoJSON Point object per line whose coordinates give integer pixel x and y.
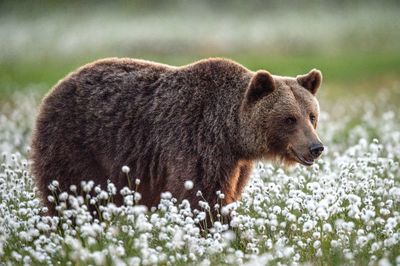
{"type": "Point", "coordinates": [316, 150]}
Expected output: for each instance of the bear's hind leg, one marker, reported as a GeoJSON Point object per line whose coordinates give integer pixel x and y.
{"type": "Point", "coordinates": [68, 166]}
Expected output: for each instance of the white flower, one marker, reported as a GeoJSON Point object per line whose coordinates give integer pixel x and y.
{"type": "Point", "coordinates": [134, 261]}
{"type": "Point", "coordinates": [137, 196]}
{"type": "Point", "coordinates": [99, 257]}
{"type": "Point", "coordinates": [391, 223]}
{"type": "Point", "coordinates": [308, 226]}
{"type": "Point", "coordinates": [103, 195]}
{"type": "Point", "coordinates": [335, 243]}
{"type": "Point", "coordinates": [235, 222]}
{"type": "Point", "coordinates": [327, 228]}
{"type": "Point", "coordinates": [384, 262]}
{"type": "Point", "coordinates": [73, 188]}
{"type": "Point", "coordinates": [63, 196]}
{"type": "Point", "coordinates": [375, 246]}
{"type": "Point", "coordinates": [188, 184]}
{"type": "Point", "coordinates": [228, 236]}
{"type": "Point", "coordinates": [361, 241]}
{"type": "Point", "coordinates": [50, 198]}
{"type": "Point", "coordinates": [125, 169]}
{"type": "Point", "coordinates": [87, 186]}
{"type": "Point", "coordinates": [125, 191]}
{"type": "Point", "coordinates": [111, 189]}
{"type": "Point", "coordinates": [276, 209]}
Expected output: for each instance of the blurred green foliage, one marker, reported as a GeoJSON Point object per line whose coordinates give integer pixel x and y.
{"type": "Point", "coordinates": [344, 71]}
{"type": "Point", "coordinates": [354, 43]}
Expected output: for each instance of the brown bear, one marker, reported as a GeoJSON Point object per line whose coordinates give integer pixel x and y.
{"type": "Point", "coordinates": [206, 122]}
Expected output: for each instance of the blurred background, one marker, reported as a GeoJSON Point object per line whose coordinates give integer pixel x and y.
{"type": "Point", "coordinates": [356, 44]}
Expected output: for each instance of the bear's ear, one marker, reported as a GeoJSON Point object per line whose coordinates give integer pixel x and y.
{"type": "Point", "coordinates": [311, 81]}
{"type": "Point", "coordinates": [261, 84]}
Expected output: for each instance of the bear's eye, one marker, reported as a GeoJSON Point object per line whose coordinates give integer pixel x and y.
{"type": "Point", "coordinates": [312, 118]}
{"type": "Point", "coordinates": [290, 120]}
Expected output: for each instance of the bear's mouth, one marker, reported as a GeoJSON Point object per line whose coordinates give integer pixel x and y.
{"type": "Point", "coordinates": [300, 159]}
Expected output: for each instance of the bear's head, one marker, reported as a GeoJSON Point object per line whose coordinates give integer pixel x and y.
{"type": "Point", "coordinates": [279, 118]}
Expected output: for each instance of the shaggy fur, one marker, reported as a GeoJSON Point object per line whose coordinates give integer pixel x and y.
{"type": "Point", "coordinates": [206, 122]}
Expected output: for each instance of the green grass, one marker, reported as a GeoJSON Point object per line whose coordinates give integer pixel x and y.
{"type": "Point", "coordinates": [346, 72]}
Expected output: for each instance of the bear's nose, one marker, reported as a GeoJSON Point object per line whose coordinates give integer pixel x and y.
{"type": "Point", "coordinates": [316, 149]}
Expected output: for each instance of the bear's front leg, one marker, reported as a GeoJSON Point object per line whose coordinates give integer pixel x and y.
{"type": "Point", "coordinates": [245, 171]}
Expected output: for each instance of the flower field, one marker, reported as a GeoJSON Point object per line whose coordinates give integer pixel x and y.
{"type": "Point", "coordinates": [345, 209]}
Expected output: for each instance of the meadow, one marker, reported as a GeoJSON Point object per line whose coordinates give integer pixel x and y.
{"type": "Point", "coordinates": [343, 210]}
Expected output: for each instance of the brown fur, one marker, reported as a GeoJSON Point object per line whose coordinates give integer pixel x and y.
{"type": "Point", "coordinates": [206, 122]}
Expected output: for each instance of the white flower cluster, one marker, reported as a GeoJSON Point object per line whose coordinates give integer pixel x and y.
{"type": "Point", "coordinates": [345, 209]}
